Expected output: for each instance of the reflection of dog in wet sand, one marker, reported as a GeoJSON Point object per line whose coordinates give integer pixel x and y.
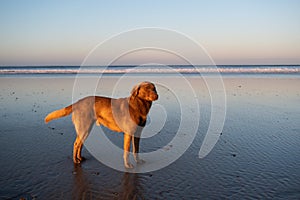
{"type": "Point", "coordinates": [126, 115]}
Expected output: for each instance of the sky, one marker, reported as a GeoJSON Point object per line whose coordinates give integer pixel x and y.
{"type": "Point", "coordinates": [233, 32]}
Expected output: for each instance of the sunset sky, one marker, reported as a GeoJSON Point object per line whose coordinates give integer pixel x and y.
{"type": "Point", "coordinates": [55, 32]}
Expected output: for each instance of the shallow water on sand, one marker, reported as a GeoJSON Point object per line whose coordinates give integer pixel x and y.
{"type": "Point", "coordinates": [256, 156]}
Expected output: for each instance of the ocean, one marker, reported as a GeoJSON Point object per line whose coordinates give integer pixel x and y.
{"type": "Point", "coordinates": [153, 69]}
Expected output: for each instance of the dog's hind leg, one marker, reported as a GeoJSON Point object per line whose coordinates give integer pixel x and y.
{"type": "Point", "coordinates": [83, 126]}
{"type": "Point", "coordinates": [77, 150]}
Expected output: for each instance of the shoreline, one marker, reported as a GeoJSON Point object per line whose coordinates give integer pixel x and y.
{"type": "Point", "coordinates": [205, 70]}
{"type": "Point", "coordinates": [227, 75]}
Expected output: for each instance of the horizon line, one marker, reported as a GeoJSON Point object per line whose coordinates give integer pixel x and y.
{"type": "Point", "coordinates": [127, 65]}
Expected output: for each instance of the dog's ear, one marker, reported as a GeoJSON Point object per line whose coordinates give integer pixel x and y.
{"type": "Point", "coordinates": [135, 91]}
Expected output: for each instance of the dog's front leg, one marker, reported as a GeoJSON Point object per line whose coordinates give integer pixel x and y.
{"type": "Point", "coordinates": [135, 149]}
{"type": "Point", "coordinates": [136, 146]}
{"type": "Point", "coordinates": [127, 141]}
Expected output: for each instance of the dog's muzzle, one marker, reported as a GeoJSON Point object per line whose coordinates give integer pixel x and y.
{"type": "Point", "coordinates": [155, 97]}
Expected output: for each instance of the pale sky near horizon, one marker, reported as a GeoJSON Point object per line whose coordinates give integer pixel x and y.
{"type": "Point", "coordinates": [54, 32]}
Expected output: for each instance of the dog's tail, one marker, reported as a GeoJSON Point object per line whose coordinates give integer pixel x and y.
{"type": "Point", "coordinates": [59, 113]}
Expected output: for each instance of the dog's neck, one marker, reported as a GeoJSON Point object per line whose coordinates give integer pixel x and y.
{"type": "Point", "coordinates": [139, 108]}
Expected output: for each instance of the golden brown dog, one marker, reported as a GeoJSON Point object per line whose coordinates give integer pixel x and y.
{"type": "Point", "coordinates": [127, 115]}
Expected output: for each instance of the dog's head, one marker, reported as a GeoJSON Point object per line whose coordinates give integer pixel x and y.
{"type": "Point", "coordinates": [145, 90]}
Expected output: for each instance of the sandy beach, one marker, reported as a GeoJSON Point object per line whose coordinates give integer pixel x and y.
{"type": "Point", "coordinates": [256, 157]}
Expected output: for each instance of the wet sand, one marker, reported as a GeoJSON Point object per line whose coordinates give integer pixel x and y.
{"type": "Point", "coordinates": [256, 156]}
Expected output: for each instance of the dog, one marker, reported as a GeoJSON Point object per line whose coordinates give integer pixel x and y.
{"type": "Point", "coordinates": [127, 115]}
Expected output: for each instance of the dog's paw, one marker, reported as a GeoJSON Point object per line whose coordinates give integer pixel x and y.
{"type": "Point", "coordinates": [128, 165]}
{"type": "Point", "coordinates": [76, 161]}
{"type": "Point", "coordinates": [81, 159]}
{"type": "Point", "coordinates": [139, 161]}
